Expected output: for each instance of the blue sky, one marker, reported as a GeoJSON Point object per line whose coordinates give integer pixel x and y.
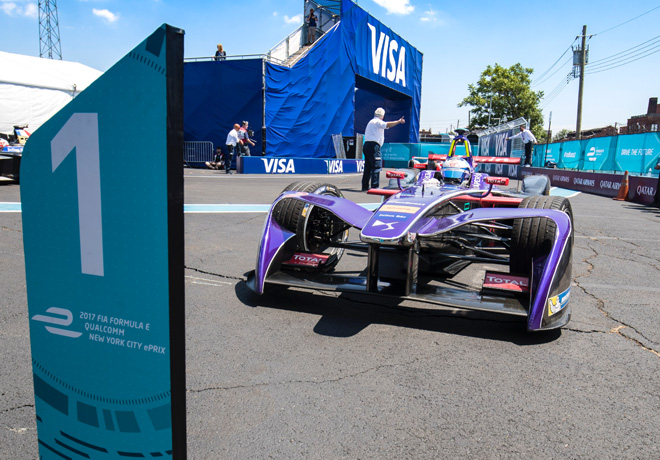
{"type": "Point", "coordinates": [458, 40]}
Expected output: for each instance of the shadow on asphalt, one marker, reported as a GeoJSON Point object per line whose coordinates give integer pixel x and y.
{"type": "Point", "coordinates": [349, 314]}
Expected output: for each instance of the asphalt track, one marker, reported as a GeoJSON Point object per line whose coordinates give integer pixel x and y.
{"type": "Point", "coordinates": [306, 375]}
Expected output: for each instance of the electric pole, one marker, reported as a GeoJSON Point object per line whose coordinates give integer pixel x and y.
{"type": "Point", "coordinates": [582, 58]}
{"type": "Point", "coordinates": [49, 30]}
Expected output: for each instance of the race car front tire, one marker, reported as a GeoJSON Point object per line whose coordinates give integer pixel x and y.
{"type": "Point", "coordinates": [313, 225]}
{"type": "Point", "coordinates": [533, 237]}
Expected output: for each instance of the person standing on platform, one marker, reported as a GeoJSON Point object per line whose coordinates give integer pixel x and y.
{"type": "Point", "coordinates": [311, 27]}
{"type": "Point", "coordinates": [231, 143]}
{"type": "Point", "coordinates": [244, 136]}
{"type": "Point", "coordinates": [220, 55]}
{"type": "Point", "coordinates": [374, 137]}
{"type": "Point", "coordinates": [529, 140]}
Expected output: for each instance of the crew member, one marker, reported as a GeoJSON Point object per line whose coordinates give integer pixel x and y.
{"type": "Point", "coordinates": [529, 140]}
{"type": "Point", "coordinates": [374, 137]}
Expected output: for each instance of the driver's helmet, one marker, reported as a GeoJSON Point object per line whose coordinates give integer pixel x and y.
{"type": "Point", "coordinates": [456, 171]}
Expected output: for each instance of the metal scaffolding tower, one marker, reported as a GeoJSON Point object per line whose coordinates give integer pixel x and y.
{"type": "Point", "coordinates": [49, 30]}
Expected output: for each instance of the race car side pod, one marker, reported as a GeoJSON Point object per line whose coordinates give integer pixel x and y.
{"type": "Point", "coordinates": [551, 275]}
{"type": "Point", "coordinates": [276, 239]}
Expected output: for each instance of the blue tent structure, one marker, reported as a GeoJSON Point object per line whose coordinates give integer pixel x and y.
{"type": "Point", "coordinates": [356, 66]}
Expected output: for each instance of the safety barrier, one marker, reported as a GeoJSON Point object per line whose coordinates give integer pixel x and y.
{"type": "Point", "coordinates": [635, 153]}
{"type": "Point", "coordinates": [197, 152]}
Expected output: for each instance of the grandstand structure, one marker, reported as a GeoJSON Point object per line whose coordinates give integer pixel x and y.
{"type": "Point", "coordinates": [297, 96]}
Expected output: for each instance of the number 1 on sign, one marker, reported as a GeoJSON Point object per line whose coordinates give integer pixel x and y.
{"type": "Point", "coordinates": [81, 132]}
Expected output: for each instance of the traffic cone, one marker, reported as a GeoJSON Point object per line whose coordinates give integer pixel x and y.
{"type": "Point", "coordinates": [623, 189]}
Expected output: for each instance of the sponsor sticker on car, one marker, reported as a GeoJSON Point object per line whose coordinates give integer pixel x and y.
{"type": "Point", "coordinates": [506, 282]}
{"type": "Point", "coordinates": [399, 208]}
{"type": "Point", "coordinates": [307, 260]}
{"type": "Point", "coordinates": [558, 302]}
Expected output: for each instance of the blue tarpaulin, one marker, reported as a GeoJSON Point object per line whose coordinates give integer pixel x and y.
{"type": "Point", "coordinates": [336, 87]}
{"type": "Point", "coordinates": [308, 103]}
{"type": "Point", "coordinates": [218, 94]}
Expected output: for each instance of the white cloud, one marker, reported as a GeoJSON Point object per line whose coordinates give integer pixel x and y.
{"type": "Point", "coordinates": [429, 16]}
{"type": "Point", "coordinates": [402, 7]}
{"type": "Point", "coordinates": [433, 17]}
{"type": "Point", "coordinates": [31, 10]}
{"type": "Point", "coordinates": [105, 14]}
{"type": "Point", "coordinates": [20, 8]}
{"type": "Point", "coordinates": [297, 19]}
{"type": "Point", "coordinates": [9, 8]}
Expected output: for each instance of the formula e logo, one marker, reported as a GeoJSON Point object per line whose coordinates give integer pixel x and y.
{"type": "Point", "coordinates": [65, 321]}
{"type": "Point", "coordinates": [380, 223]}
{"type": "Point", "coordinates": [335, 166]}
{"type": "Point", "coordinates": [383, 60]}
{"type": "Point", "coordinates": [279, 166]}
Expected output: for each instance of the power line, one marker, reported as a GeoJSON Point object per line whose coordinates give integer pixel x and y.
{"type": "Point", "coordinates": [553, 73]}
{"type": "Point", "coordinates": [629, 20]}
{"type": "Point", "coordinates": [613, 56]}
{"type": "Point", "coordinates": [557, 90]}
{"type": "Point", "coordinates": [623, 62]}
{"type": "Point", "coordinates": [555, 63]}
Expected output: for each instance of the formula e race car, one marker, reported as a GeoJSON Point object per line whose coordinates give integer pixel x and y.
{"type": "Point", "coordinates": [444, 234]}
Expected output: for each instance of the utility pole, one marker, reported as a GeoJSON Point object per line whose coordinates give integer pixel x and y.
{"type": "Point", "coordinates": [582, 59]}
{"type": "Point", "coordinates": [545, 160]}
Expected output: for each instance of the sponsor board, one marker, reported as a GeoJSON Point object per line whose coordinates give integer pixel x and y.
{"type": "Point", "coordinates": [642, 189]}
{"type": "Point", "coordinates": [272, 165]}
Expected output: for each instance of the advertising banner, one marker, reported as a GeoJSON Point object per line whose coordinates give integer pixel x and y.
{"type": "Point", "coordinates": [637, 153]}
{"type": "Point", "coordinates": [496, 145]}
{"type": "Point", "coordinates": [273, 165]}
{"type": "Point", "coordinates": [104, 263]}
{"type": "Point", "coordinates": [571, 154]}
{"type": "Point", "coordinates": [597, 154]}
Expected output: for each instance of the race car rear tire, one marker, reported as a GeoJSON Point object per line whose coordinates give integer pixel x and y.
{"type": "Point", "coordinates": [533, 237]}
{"type": "Point", "coordinates": [308, 222]}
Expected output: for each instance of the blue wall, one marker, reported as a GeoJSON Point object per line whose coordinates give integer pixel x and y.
{"type": "Point", "coordinates": [218, 94]}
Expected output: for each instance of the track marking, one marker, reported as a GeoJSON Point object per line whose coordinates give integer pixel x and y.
{"type": "Point", "coordinates": [556, 191]}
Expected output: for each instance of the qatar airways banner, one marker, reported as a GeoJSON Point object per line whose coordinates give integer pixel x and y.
{"type": "Point", "coordinates": [380, 54]}
{"type": "Point", "coordinates": [640, 189]}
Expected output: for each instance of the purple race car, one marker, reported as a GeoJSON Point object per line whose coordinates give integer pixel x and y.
{"type": "Point", "coordinates": [445, 235]}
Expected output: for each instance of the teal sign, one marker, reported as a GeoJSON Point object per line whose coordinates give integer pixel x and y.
{"type": "Point", "coordinates": [571, 154]}
{"type": "Point", "coordinates": [103, 236]}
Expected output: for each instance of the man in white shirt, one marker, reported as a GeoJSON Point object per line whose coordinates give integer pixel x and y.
{"type": "Point", "coordinates": [374, 137]}
{"type": "Point", "coordinates": [231, 143]}
{"type": "Point", "coordinates": [529, 140]}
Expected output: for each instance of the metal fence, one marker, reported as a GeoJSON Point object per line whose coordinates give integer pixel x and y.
{"type": "Point", "coordinates": [197, 152]}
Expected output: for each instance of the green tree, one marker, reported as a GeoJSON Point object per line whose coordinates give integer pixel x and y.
{"type": "Point", "coordinates": [502, 93]}
{"type": "Point", "coordinates": [563, 134]}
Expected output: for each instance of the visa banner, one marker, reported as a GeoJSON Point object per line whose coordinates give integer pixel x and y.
{"type": "Point", "coordinates": [380, 54]}
{"type": "Point", "coordinates": [104, 263]}
{"type": "Point", "coordinates": [272, 165]}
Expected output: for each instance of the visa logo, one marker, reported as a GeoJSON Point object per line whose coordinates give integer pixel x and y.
{"type": "Point", "coordinates": [278, 165]}
{"type": "Point", "coordinates": [360, 166]}
{"type": "Point", "coordinates": [384, 60]}
{"type": "Point", "coordinates": [335, 166]}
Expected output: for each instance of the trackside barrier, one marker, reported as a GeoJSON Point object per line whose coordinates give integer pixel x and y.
{"type": "Point", "coordinates": [197, 152]}
{"type": "Point", "coordinates": [274, 165]}
{"type": "Point", "coordinates": [641, 188]}
{"type": "Point", "coordinates": [635, 153]}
